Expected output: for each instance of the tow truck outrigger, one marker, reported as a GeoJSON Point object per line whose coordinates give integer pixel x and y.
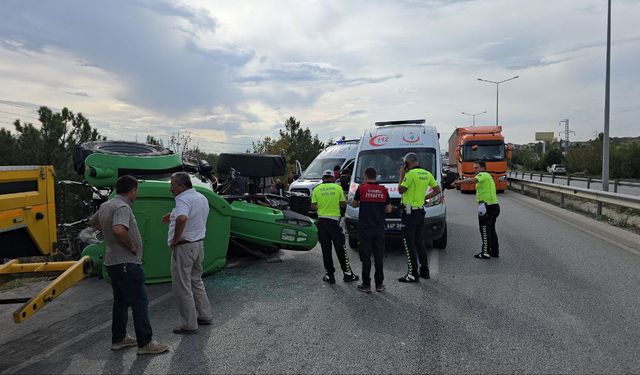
{"type": "Point", "coordinates": [28, 228]}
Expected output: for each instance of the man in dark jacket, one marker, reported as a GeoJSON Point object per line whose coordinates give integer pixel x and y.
{"type": "Point", "coordinates": [373, 201]}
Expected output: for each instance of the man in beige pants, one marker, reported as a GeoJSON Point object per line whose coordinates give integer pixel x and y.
{"type": "Point", "coordinates": [187, 229]}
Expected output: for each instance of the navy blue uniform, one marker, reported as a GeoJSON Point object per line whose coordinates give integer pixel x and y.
{"type": "Point", "coordinates": [373, 198]}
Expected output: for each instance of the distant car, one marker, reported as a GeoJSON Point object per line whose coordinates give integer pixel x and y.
{"type": "Point", "coordinates": [557, 169]}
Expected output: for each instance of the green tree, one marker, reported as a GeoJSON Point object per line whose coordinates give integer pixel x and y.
{"type": "Point", "coordinates": [212, 159]}
{"type": "Point", "coordinates": [623, 158]}
{"type": "Point", "coordinates": [624, 161]}
{"type": "Point", "coordinates": [182, 142]}
{"type": "Point", "coordinates": [527, 158]}
{"type": "Point", "coordinates": [154, 141]}
{"type": "Point", "coordinates": [266, 146]}
{"type": "Point", "coordinates": [586, 158]}
{"type": "Point", "coordinates": [7, 148]}
{"type": "Point", "coordinates": [301, 145]}
{"type": "Point", "coordinates": [294, 143]}
{"type": "Point", "coordinates": [54, 140]}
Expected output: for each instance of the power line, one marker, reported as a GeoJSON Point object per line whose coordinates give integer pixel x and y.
{"type": "Point", "coordinates": [23, 119]}
{"type": "Point", "coordinates": [19, 116]}
{"type": "Point", "coordinates": [17, 104]}
{"type": "Point", "coordinates": [11, 113]}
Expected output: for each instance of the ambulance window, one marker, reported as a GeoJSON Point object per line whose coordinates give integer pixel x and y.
{"type": "Point", "coordinates": [387, 162]}
{"type": "Point", "coordinates": [348, 165]}
{"type": "Point", "coordinates": [315, 169]}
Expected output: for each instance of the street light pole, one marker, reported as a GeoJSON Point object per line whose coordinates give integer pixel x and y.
{"type": "Point", "coordinates": [497, 85]}
{"type": "Point", "coordinates": [605, 138]}
{"type": "Point", "coordinates": [474, 116]}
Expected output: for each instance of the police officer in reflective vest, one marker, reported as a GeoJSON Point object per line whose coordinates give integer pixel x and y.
{"type": "Point", "coordinates": [488, 209]}
{"type": "Point", "coordinates": [413, 185]}
{"type": "Point", "coordinates": [327, 198]}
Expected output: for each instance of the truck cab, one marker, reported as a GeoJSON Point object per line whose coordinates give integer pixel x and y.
{"type": "Point", "coordinates": [486, 143]}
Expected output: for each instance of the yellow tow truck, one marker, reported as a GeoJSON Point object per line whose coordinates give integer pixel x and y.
{"type": "Point", "coordinates": [28, 229]}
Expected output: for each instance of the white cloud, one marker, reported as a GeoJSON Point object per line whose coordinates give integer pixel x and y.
{"type": "Point", "coordinates": [232, 72]}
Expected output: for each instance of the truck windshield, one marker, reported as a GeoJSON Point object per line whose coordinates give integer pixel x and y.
{"type": "Point", "coordinates": [315, 169]}
{"type": "Point", "coordinates": [387, 163]}
{"type": "Point", "coordinates": [478, 150]}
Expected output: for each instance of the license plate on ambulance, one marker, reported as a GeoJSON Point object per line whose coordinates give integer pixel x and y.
{"type": "Point", "coordinates": [393, 226]}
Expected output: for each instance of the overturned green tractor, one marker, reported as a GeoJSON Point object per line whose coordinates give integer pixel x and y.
{"type": "Point", "coordinates": [247, 220]}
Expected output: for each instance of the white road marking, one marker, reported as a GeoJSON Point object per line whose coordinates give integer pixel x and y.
{"type": "Point", "coordinates": [434, 264]}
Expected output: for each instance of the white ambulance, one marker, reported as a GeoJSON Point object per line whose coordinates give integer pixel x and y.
{"type": "Point", "coordinates": [383, 147]}
{"type": "Point", "coordinates": [341, 154]}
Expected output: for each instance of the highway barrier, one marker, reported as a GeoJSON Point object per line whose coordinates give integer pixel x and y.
{"type": "Point", "coordinates": [615, 183]}
{"type": "Point", "coordinates": [600, 197]}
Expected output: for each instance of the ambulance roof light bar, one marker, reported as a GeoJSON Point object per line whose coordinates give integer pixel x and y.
{"type": "Point", "coordinates": [401, 122]}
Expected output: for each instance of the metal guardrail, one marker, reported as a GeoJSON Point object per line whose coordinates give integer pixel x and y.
{"type": "Point", "coordinates": [621, 200]}
{"type": "Point", "coordinates": [570, 178]}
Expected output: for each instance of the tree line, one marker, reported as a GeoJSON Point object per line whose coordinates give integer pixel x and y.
{"type": "Point", "coordinates": [51, 143]}
{"type": "Point", "coordinates": [584, 158]}
{"type": "Point", "coordinates": [294, 143]}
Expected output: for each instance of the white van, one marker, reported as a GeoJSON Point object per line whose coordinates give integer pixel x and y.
{"type": "Point", "coordinates": [342, 154]}
{"type": "Point", "coordinates": [383, 147]}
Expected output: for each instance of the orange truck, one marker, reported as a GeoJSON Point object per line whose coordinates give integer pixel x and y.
{"type": "Point", "coordinates": [486, 143]}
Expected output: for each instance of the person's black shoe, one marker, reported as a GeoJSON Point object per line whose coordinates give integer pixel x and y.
{"type": "Point", "coordinates": [364, 288]}
{"type": "Point", "coordinates": [494, 254]}
{"type": "Point", "coordinates": [329, 278]}
{"type": "Point", "coordinates": [482, 256]}
{"type": "Point", "coordinates": [408, 278]}
{"type": "Point", "coordinates": [349, 277]}
{"type": "Point", "coordinates": [424, 273]}
{"type": "Point", "coordinates": [380, 288]}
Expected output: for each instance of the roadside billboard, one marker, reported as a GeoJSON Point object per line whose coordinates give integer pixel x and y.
{"type": "Point", "coordinates": [545, 136]}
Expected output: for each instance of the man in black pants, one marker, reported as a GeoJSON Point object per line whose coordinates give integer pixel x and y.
{"type": "Point", "coordinates": [373, 200]}
{"type": "Point", "coordinates": [327, 198]}
{"type": "Point", "coordinates": [123, 260]}
{"type": "Point", "coordinates": [413, 184]}
{"type": "Point", "coordinates": [488, 209]}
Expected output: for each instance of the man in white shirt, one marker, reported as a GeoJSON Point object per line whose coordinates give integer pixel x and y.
{"type": "Point", "coordinates": [187, 229]}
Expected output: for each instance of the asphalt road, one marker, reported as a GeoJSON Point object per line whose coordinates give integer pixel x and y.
{"type": "Point", "coordinates": [562, 298]}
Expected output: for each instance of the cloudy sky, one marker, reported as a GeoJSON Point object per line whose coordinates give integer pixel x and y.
{"type": "Point", "coordinates": [231, 72]}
